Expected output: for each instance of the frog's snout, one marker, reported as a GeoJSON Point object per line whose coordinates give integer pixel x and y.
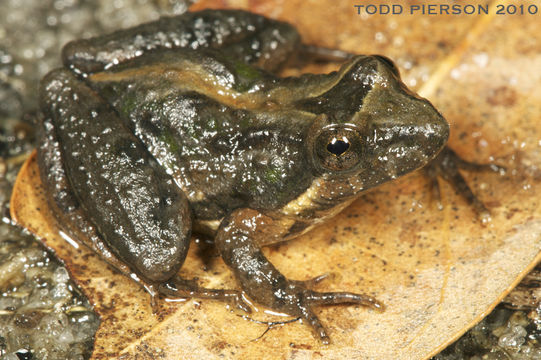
{"type": "Point", "coordinates": [408, 139]}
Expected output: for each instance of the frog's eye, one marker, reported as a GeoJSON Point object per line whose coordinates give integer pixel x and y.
{"type": "Point", "coordinates": [338, 148]}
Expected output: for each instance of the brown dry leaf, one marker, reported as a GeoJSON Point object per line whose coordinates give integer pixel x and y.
{"type": "Point", "coordinates": [438, 272]}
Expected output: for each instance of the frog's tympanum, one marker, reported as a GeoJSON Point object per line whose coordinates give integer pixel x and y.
{"type": "Point", "coordinates": [181, 124]}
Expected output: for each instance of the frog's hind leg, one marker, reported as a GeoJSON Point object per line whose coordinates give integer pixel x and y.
{"type": "Point", "coordinates": [63, 202]}
{"type": "Point", "coordinates": [237, 241]}
{"type": "Point", "coordinates": [104, 181]}
{"type": "Point", "coordinates": [243, 36]}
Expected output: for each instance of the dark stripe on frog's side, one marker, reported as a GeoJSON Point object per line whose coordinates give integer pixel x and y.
{"type": "Point", "coordinates": [205, 133]}
{"type": "Point", "coordinates": [191, 73]}
{"type": "Point", "coordinates": [204, 72]}
{"type": "Point", "coordinates": [344, 100]}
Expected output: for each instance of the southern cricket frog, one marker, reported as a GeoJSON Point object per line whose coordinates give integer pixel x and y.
{"type": "Point", "coordinates": [182, 124]}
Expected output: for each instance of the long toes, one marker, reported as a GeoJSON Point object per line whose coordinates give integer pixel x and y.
{"type": "Point", "coordinates": [311, 319]}
{"type": "Point", "coordinates": [310, 299]}
{"type": "Point", "coordinates": [310, 283]}
{"type": "Point", "coordinates": [335, 298]}
{"type": "Point", "coordinates": [318, 279]}
{"type": "Point", "coordinates": [184, 288]}
{"type": "Point", "coordinates": [241, 304]}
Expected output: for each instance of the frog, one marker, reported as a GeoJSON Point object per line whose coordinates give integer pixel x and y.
{"type": "Point", "coordinates": [183, 125]}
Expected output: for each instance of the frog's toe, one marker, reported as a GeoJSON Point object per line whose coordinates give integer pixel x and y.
{"type": "Point", "coordinates": [310, 283]}
{"type": "Point", "coordinates": [306, 299]}
{"type": "Point", "coordinates": [312, 320]}
{"type": "Point", "coordinates": [336, 298]}
{"type": "Point", "coordinates": [447, 165]}
{"type": "Point", "coordinates": [237, 298]}
{"type": "Point", "coordinates": [179, 288]}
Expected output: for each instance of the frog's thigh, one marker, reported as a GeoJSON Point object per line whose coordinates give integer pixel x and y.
{"type": "Point", "coordinates": [241, 35]}
{"type": "Point", "coordinates": [141, 214]}
{"type": "Point", "coordinates": [278, 43]}
{"type": "Point", "coordinates": [65, 206]}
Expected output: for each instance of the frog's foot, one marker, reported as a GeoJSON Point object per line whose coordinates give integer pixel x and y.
{"type": "Point", "coordinates": [237, 241]}
{"type": "Point", "coordinates": [447, 165]}
{"type": "Point", "coordinates": [299, 301]}
{"type": "Point", "coordinates": [187, 288]}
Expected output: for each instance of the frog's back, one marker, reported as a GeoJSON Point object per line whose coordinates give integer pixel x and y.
{"type": "Point", "coordinates": [225, 158]}
{"type": "Point", "coordinates": [190, 99]}
{"type": "Point", "coordinates": [225, 147]}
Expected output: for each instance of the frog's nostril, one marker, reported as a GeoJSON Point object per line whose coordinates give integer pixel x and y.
{"type": "Point", "coordinates": [338, 146]}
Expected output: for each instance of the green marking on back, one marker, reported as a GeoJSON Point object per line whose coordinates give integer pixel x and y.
{"type": "Point", "coordinates": [168, 139]}
{"type": "Point", "coordinates": [246, 76]}
{"type": "Point", "coordinates": [273, 175]}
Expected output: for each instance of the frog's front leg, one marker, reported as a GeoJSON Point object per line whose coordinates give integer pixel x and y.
{"type": "Point", "coordinates": [237, 240]}
{"type": "Point", "coordinates": [447, 165]}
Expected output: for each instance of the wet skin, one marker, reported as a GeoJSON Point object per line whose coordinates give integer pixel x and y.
{"type": "Point", "coordinates": [180, 125]}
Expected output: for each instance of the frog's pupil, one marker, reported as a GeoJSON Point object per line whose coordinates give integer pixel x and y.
{"type": "Point", "coordinates": [338, 146]}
